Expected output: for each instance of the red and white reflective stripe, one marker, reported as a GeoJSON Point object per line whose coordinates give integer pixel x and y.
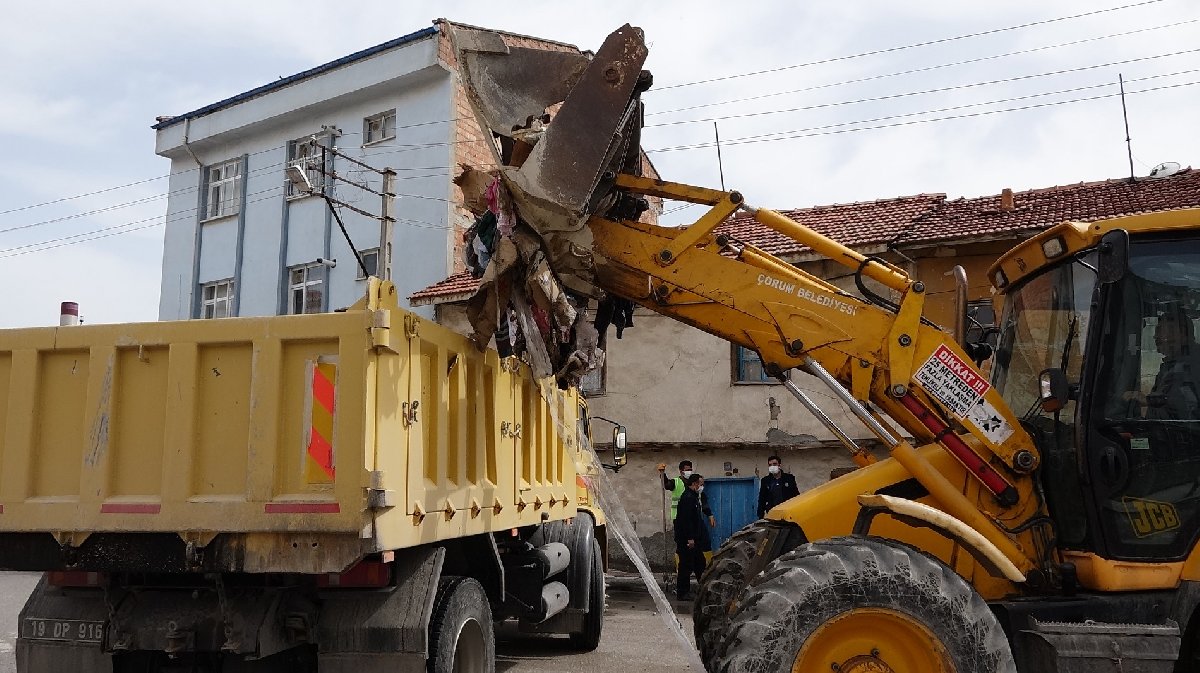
{"type": "Point", "coordinates": [130, 508]}
{"type": "Point", "coordinates": [302, 508]}
{"type": "Point", "coordinates": [319, 464]}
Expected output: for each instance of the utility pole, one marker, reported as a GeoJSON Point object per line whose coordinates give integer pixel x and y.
{"type": "Point", "coordinates": [386, 225]}
{"type": "Point", "coordinates": [1125, 113]}
{"type": "Point", "coordinates": [383, 264]}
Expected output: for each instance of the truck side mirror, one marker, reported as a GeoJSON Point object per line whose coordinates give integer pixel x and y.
{"type": "Point", "coordinates": [1054, 391]}
{"type": "Point", "coordinates": [619, 451]}
{"type": "Point", "coordinates": [1113, 259]}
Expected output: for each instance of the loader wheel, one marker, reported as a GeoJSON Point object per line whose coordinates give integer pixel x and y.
{"type": "Point", "coordinates": [721, 583]}
{"type": "Point", "coordinates": [588, 638]}
{"type": "Point", "coordinates": [461, 639]}
{"type": "Point", "coordinates": [857, 604]}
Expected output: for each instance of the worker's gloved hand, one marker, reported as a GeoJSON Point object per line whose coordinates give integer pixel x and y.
{"type": "Point", "coordinates": [662, 467]}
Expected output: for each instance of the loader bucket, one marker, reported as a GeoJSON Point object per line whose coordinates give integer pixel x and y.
{"type": "Point", "coordinates": [567, 124]}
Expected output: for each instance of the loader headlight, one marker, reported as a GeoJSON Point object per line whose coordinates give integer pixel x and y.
{"type": "Point", "coordinates": [1053, 247]}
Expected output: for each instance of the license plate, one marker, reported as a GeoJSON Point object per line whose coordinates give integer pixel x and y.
{"type": "Point", "coordinates": [68, 630]}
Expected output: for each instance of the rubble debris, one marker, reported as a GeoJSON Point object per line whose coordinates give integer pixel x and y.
{"type": "Point", "coordinates": [560, 142]}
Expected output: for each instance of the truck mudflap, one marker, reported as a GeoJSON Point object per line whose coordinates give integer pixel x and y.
{"type": "Point", "coordinates": [62, 630]}
{"type": "Point", "coordinates": [1096, 647]}
{"type": "Point", "coordinates": [370, 632]}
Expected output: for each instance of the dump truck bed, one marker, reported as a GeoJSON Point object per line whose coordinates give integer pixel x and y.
{"type": "Point", "coordinates": [279, 444]}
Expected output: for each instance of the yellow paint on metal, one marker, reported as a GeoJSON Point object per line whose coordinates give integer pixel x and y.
{"type": "Point", "coordinates": [1101, 574]}
{"type": "Point", "coordinates": [873, 640]}
{"type": "Point", "coordinates": [205, 426]}
{"type": "Point", "coordinates": [1028, 257]}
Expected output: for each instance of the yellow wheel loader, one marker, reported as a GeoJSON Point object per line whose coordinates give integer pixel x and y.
{"type": "Point", "coordinates": [1043, 519]}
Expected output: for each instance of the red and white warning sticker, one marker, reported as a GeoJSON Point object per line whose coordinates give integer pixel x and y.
{"type": "Point", "coordinates": [952, 381]}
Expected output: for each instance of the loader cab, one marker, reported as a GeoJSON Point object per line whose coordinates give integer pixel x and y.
{"type": "Point", "coordinates": [1120, 440]}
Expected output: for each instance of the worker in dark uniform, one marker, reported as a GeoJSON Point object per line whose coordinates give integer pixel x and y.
{"type": "Point", "coordinates": [691, 537]}
{"type": "Point", "coordinates": [776, 487]}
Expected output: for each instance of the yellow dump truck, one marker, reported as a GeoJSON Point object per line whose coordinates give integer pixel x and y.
{"type": "Point", "coordinates": [356, 491]}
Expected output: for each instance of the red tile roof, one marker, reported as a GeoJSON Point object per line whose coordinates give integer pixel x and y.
{"type": "Point", "coordinates": [930, 218]}
{"type": "Point", "coordinates": [1038, 209]}
{"type": "Point", "coordinates": [461, 283]}
{"type": "Point", "coordinates": [851, 224]}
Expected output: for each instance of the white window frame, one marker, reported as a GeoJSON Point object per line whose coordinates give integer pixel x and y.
{"type": "Point", "coordinates": [370, 260]}
{"type": "Point", "coordinates": [383, 124]}
{"type": "Point", "coordinates": [217, 299]}
{"type": "Point", "coordinates": [222, 189]}
{"type": "Point", "coordinates": [305, 153]}
{"type": "Point", "coordinates": [311, 278]}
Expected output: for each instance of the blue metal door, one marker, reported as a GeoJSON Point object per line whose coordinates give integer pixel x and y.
{"type": "Point", "coordinates": [734, 501]}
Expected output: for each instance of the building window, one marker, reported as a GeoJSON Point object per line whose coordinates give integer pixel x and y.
{"type": "Point", "coordinates": [370, 260]}
{"type": "Point", "coordinates": [216, 300]}
{"type": "Point", "coordinates": [748, 368]}
{"type": "Point", "coordinates": [592, 384]}
{"type": "Point", "coordinates": [305, 154]}
{"type": "Point", "coordinates": [380, 127]}
{"type": "Point", "coordinates": [306, 285]}
{"type": "Point", "coordinates": [223, 189]}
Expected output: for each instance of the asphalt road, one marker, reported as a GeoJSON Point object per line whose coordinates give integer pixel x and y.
{"type": "Point", "coordinates": [635, 638]}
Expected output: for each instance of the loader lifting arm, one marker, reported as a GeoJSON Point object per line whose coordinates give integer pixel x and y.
{"type": "Point", "coordinates": [879, 358]}
{"type": "Point", "coordinates": [572, 168]}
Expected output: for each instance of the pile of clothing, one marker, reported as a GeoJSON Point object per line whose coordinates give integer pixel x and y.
{"type": "Point", "coordinates": [520, 301]}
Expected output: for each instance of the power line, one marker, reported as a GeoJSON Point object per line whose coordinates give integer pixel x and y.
{"type": "Point", "coordinates": [250, 154]}
{"type": "Point", "coordinates": [929, 68]}
{"type": "Point", "coordinates": [417, 146]}
{"type": "Point", "coordinates": [177, 217]}
{"type": "Point", "coordinates": [969, 105]}
{"type": "Point", "coordinates": [816, 131]}
{"type": "Point", "coordinates": [876, 52]}
{"type": "Point", "coordinates": [908, 94]}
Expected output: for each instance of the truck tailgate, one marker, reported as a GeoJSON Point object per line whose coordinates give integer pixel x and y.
{"type": "Point", "coordinates": [277, 444]}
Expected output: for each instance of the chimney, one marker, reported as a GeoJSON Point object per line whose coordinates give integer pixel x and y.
{"type": "Point", "coordinates": [68, 314]}
{"type": "Point", "coordinates": [1006, 199]}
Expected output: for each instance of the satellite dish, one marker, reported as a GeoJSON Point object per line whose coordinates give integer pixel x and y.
{"type": "Point", "coordinates": [1165, 169]}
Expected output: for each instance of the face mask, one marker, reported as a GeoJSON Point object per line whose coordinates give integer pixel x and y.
{"type": "Point", "coordinates": [773, 469]}
{"type": "Point", "coordinates": [700, 489]}
{"type": "Point", "coordinates": [687, 473]}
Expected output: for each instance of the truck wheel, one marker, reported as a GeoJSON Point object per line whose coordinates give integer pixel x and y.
{"type": "Point", "coordinates": [461, 639]}
{"type": "Point", "coordinates": [722, 582]}
{"type": "Point", "coordinates": [588, 638]}
{"type": "Point", "coordinates": [857, 604]}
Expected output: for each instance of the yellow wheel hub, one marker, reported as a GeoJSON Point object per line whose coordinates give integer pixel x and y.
{"type": "Point", "coordinates": [873, 640]}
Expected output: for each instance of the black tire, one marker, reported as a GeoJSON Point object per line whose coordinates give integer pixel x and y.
{"type": "Point", "coordinates": [588, 638]}
{"type": "Point", "coordinates": [461, 639]}
{"type": "Point", "coordinates": [721, 583]}
{"type": "Point", "coordinates": [810, 608]}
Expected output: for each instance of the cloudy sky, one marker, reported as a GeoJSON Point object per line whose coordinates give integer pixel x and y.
{"type": "Point", "coordinates": [815, 102]}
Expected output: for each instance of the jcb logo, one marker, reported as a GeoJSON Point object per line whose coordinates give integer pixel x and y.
{"type": "Point", "coordinates": [1149, 517]}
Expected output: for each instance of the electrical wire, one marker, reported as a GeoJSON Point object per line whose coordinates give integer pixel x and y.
{"type": "Point", "coordinates": [970, 105]}
{"type": "Point", "coordinates": [909, 94]}
{"type": "Point", "coordinates": [417, 146]}
{"type": "Point", "coordinates": [929, 68]}
{"type": "Point", "coordinates": [817, 130]}
{"type": "Point", "coordinates": [889, 50]}
{"type": "Point", "coordinates": [116, 230]}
